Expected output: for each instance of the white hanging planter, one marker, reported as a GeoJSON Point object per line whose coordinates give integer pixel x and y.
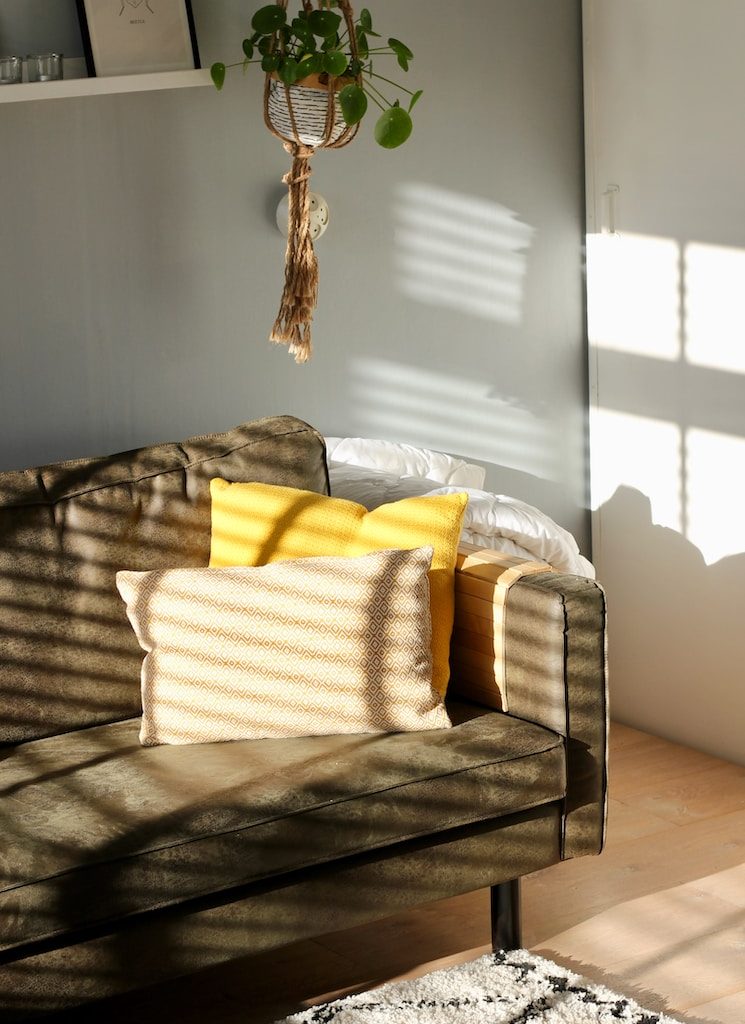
{"type": "Point", "coordinates": [309, 99]}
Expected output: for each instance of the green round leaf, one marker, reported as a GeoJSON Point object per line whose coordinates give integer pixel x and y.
{"type": "Point", "coordinates": [363, 47]}
{"type": "Point", "coordinates": [393, 128]}
{"type": "Point", "coordinates": [400, 48]}
{"type": "Point", "coordinates": [353, 103]}
{"type": "Point", "coordinates": [301, 32]}
{"type": "Point", "coordinates": [415, 99]}
{"type": "Point", "coordinates": [268, 19]}
{"type": "Point", "coordinates": [324, 23]}
{"type": "Point", "coordinates": [248, 48]}
{"type": "Point", "coordinates": [335, 62]}
{"type": "Point", "coordinates": [311, 64]}
{"type": "Point", "coordinates": [270, 62]}
{"type": "Point", "coordinates": [265, 45]}
{"type": "Point", "coordinates": [217, 73]}
{"type": "Point", "coordinates": [366, 20]}
{"type": "Point", "coordinates": [288, 71]}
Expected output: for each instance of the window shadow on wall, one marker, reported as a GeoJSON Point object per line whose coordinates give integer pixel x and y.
{"type": "Point", "coordinates": [676, 623]}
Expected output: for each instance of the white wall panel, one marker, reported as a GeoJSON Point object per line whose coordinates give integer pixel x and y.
{"type": "Point", "coordinates": [665, 90]}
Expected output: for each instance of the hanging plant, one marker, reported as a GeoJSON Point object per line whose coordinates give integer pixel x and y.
{"type": "Point", "coordinates": [320, 82]}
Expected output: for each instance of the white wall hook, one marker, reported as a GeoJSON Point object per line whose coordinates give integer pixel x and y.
{"type": "Point", "coordinates": [610, 194]}
{"type": "Point", "coordinates": [319, 215]}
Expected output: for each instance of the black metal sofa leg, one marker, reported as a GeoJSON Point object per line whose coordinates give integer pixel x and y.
{"type": "Point", "coordinates": [505, 916]}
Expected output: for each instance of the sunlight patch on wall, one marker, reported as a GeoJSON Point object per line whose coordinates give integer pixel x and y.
{"type": "Point", "coordinates": [715, 306]}
{"type": "Point", "coordinates": [633, 294]}
{"type": "Point", "coordinates": [460, 252]}
{"type": "Point", "coordinates": [454, 414]}
{"type": "Point", "coordinates": [642, 453]}
{"type": "Point", "coordinates": [716, 487]}
{"type": "Point", "coordinates": [652, 298]}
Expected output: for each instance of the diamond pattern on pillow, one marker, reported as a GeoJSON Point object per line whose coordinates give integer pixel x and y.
{"type": "Point", "coordinates": [306, 647]}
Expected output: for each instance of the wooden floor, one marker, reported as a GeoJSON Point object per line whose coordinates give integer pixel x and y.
{"type": "Point", "coordinates": [659, 916]}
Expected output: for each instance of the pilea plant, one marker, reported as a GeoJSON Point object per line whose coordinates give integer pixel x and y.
{"type": "Point", "coordinates": [316, 43]}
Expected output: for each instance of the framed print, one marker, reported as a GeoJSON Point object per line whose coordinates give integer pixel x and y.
{"type": "Point", "coordinates": [131, 37]}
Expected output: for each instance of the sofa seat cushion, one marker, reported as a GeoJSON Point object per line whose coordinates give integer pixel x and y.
{"type": "Point", "coordinates": [93, 826]}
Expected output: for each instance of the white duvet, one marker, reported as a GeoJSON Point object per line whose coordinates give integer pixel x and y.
{"type": "Point", "coordinates": [403, 460]}
{"type": "Point", "coordinates": [507, 524]}
{"type": "Point", "coordinates": [375, 472]}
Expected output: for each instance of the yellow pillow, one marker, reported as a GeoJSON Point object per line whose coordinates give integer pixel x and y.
{"type": "Point", "coordinates": [254, 524]}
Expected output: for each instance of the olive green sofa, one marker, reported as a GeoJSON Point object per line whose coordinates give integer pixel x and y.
{"type": "Point", "coordinates": [121, 866]}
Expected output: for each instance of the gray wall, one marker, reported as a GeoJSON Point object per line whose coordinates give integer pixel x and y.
{"type": "Point", "coordinates": [142, 268]}
{"type": "Point", "coordinates": [39, 26]}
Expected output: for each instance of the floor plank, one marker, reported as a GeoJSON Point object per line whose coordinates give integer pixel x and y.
{"type": "Point", "coordinates": [727, 1010]}
{"type": "Point", "coordinates": [567, 894]}
{"type": "Point", "coordinates": [645, 925]}
{"type": "Point", "coordinates": [626, 822]}
{"type": "Point", "coordinates": [662, 912]}
{"type": "Point", "coordinates": [695, 796]}
{"type": "Point", "coordinates": [697, 968]}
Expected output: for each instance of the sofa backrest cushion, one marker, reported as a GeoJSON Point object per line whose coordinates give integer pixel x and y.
{"type": "Point", "coordinates": [68, 656]}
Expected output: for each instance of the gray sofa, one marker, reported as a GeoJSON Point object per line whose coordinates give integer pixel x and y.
{"type": "Point", "coordinates": [121, 866]}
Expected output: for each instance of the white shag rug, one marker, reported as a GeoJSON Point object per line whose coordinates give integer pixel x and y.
{"type": "Point", "coordinates": [499, 988]}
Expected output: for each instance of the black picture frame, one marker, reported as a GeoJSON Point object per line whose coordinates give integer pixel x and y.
{"type": "Point", "coordinates": [125, 37]}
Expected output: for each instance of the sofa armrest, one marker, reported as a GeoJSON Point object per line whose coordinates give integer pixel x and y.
{"type": "Point", "coordinates": [532, 642]}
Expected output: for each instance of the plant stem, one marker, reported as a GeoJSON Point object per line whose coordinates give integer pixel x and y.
{"type": "Point", "coordinates": [378, 104]}
{"type": "Point", "coordinates": [380, 94]}
{"type": "Point", "coordinates": [390, 82]}
{"type": "Point", "coordinates": [374, 97]}
{"type": "Point", "coordinates": [242, 64]}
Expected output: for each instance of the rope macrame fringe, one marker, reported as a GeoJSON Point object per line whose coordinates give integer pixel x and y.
{"type": "Point", "coordinates": [293, 324]}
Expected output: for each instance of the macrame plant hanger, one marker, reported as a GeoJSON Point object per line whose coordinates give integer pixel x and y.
{"type": "Point", "coordinates": [293, 324]}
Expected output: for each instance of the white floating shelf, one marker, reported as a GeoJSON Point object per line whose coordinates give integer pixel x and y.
{"type": "Point", "coordinates": [103, 86]}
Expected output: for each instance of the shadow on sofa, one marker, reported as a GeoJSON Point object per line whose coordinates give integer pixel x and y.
{"type": "Point", "coordinates": [124, 865]}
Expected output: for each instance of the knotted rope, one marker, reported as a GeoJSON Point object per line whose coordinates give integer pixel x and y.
{"type": "Point", "coordinates": [293, 324]}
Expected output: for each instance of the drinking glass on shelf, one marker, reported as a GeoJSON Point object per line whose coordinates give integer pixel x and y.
{"type": "Point", "coordinates": [11, 70]}
{"type": "Point", "coordinates": [44, 67]}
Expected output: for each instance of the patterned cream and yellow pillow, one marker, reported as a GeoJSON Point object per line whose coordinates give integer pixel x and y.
{"type": "Point", "coordinates": [254, 524]}
{"type": "Point", "coordinates": [300, 648]}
